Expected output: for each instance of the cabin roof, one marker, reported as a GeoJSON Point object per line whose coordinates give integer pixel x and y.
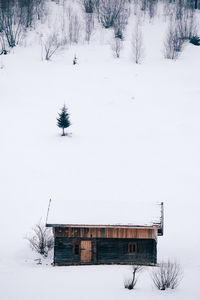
{"type": "Point", "coordinates": [63, 213]}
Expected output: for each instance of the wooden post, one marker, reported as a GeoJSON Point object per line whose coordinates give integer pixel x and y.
{"type": "Point", "coordinates": [162, 218]}
{"type": "Point", "coordinates": [48, 210]}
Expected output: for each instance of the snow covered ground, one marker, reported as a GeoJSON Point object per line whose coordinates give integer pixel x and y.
{"type": "Point", "coordinates": [134, 136]}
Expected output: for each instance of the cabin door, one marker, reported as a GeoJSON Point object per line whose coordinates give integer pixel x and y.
{"type": "Point", "coordinates": [86, 251]}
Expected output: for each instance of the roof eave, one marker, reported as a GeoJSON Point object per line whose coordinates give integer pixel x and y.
{"type": "Point", "coordinates": [154, 226]}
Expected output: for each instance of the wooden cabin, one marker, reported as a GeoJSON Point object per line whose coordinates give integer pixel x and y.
{"type": "Point", "coordinates": [91, 244]}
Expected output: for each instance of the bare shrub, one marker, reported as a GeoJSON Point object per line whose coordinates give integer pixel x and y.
{"type": "Point", "coordinates": [137, 43]}
{"type": "Point", "coordinates": [3, 47]}
{"type": "Point", "coordinates": [109, 10]}
{"type": "Point", "coordinates": [89, 6]}
{"type": "Point", "coordinates": [39, 9]}
{"type": "Point", "coordinates": [144, 5]}
{"type": "Point", "coordinates": [167, 275]}
{"type": "Point", "coordinates": [51, 45]}
{"type": "Point", "coordinates": [74, 29]}
{"type": "Point", "coordinates": [131, 283]}
{"type": "Point", "coordinates": [187, 24]}
{"type": "Point", "coordinates": [12, 22]}
{"type": "Point", "coordinates": [152, 8]}
{"type": "Point", "coordinates": [41, 240]}
{"type": "Point", "coordinates": [174, 42]}
{"type": "Point", "coordinates": [117, 46]}
{"type": "Point", "coordinates": [121, 22]}
{"type": "Point", "coordinates": [72, 26]}
{"type": "Point", "coordinates": [149, 7]}
{"type": "Point", "coordinates": [89, 26]}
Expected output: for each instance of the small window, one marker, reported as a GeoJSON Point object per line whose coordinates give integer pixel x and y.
{"type": "Point", "coordinates": [132, 248]}
{"type": "Point", "coordinates": [76, 249]}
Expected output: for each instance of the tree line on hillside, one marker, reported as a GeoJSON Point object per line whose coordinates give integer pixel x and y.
{"type": "Point", "coordinates": [80, 18]}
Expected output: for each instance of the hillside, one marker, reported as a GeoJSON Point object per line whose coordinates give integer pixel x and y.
{"type": "Point", "coordinates": [134, 136]}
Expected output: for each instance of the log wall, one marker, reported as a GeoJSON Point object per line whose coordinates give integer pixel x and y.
{"type": "Point", "coordinates": [106, 251]}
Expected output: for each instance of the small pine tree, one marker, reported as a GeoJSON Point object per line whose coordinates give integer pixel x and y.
{"type": "Point", "coordinates": [63, 120]}
{"type": "Point", "coordinates": [75, 60]}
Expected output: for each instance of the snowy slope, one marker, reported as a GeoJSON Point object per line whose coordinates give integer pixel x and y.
{"type": "Point", "coordinates": [134, 135]}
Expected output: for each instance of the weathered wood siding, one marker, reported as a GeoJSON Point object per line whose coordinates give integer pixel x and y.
{"type": "Point", "coordinates": [106, 251]}
{"type": "Point", "coordinates": [112, 232]}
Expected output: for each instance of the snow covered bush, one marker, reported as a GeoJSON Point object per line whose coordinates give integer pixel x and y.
{"type": "Point", "coordinates": [167, 275]}
{"type": "Point", "coordinates": [130, 283]}
{"type": "Point", "coordinates": [41, 240]}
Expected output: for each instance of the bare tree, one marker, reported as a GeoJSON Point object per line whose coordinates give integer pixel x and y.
{"type": "Point", "coordinates": [74, 29]}
{"type": "Point", "coordinates": [144, 5]}
{"type": "Point", "coordinates": [174, 42]}
{"type": "Point", "coordinates": [149, 6]}
{"type": "Point", "coordinates": [16, 16]}
{"type": "Point", "coordinates": [3, 44]}
{"type": "Point", "coordinates": [152, 7]}
{"type": "Point", "coordinates": [117, 46]}
{"type": "Point", "coordinates": [33, 10]}
{"type": "Point", "coordinates": [51, 45]}
{"type": "Point", "coordinates": [72, 24]}
{"type": "Point", "coordinates": [39, 9]}
{"type": "Point", "coordinates": [167, 275]}
{"type": "Point", "coordinates": [131, 283]}
{"type": "Point", "coordinates": [41, 240]}
{"type": "Point", "coordinates": [187, 24]}
{"type": "Point", "coordinates": [137, 43]}
{"type": "Point", "coordinates": [89, 6]}
{"type": "Point", "coordinates": [121, 21]}
{"type": "Point", "coordinates": [109, 10]}
{"type": "Point", "coordinates": [12, 22]}
{"type": "Point", "coordinates": [89, 26]}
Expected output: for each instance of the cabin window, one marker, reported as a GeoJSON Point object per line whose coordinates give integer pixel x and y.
{"type": "Point", "coordinates": [132, 248]}
{"type": "Point", "coordinates": [103, 232]}
{"type": "Point", "coordinates": [76, 249]}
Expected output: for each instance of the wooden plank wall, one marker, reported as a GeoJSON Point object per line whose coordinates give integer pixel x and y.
{"type": "Point", "coordinates": [112, 232]}
{"type": "Point", "coordinates": [106, 251]}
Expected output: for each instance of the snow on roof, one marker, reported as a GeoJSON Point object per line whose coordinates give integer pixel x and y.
{"type": "Point", "coordinates": [104, 213]}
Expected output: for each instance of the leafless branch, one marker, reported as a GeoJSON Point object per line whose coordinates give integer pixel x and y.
{"type": "Point", "coordinates": [41, 240]}
{"type": "Point", "coordinates": [167, 275]}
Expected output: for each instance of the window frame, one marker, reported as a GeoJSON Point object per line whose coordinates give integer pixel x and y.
{"type": "Point", "coordinates": [77, 244]}
{"type": "Point", "coordinates": [132, 246]}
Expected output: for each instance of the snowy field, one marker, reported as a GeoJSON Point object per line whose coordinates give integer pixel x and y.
{"type": "Point", "coordinates": [134, 136]}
